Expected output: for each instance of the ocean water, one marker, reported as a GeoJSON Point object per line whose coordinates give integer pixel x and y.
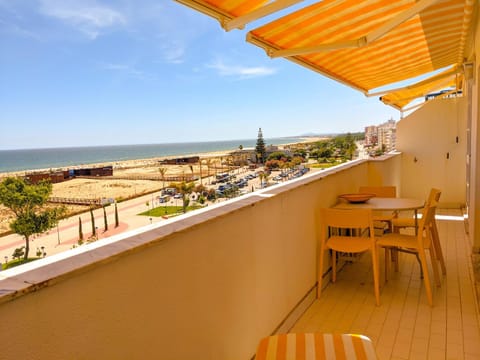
{"type": "Point", "coordinates": [32, 159]}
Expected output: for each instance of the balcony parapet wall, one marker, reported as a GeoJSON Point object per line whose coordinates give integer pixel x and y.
{"type": "Point", "coordinates": [208, 284]}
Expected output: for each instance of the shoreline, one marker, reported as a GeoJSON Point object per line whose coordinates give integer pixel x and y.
{"type": "Point", "coordinates": [144, 162]}
{"type": "Point", "coordinates": [132, 178]}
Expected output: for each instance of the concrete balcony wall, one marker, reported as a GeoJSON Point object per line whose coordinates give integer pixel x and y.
{"type": "Point", "coordinates": [383, 172]}
{"type": "Point", "coordinates": [206, 285]}
{"type": "Point", "coordinates": [431, 155]}
{"type": "Point", "coordinates": [472, 75]}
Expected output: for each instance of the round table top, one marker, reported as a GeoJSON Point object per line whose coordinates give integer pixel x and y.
{"type": "Point", "coordinates": [378, 203]}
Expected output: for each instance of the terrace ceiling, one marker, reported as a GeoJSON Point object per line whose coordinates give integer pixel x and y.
{"type": "Point", "coordinates": [365, 44]}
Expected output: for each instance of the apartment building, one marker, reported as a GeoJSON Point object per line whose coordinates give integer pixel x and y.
{"type": "Point", "coordinates": [382, 136]}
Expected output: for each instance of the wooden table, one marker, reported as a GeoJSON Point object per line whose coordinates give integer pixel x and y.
{"type": "Point", "coordinates": [385, 204]}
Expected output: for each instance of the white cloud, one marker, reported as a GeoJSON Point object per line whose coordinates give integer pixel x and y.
{"type": "Point", "coordinates": [173, 51]}
{"type": "Point", "coordinates": [242, 72]}
{"type": "Point", "coordinates": [88, 17]}
{"type": "Point", "coordinates": [125, 69]}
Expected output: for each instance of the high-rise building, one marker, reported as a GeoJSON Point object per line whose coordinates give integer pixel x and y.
{"type": "Point", "coordinates": [382, 136]}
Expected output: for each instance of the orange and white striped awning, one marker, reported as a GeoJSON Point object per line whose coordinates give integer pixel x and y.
{"type": "Point", "coordinates": [451, 79]}
{"type": "Point", "coordinates": [234, 14]}
{"type": "Point", "coordinates": [319, 346]}
{"type": "Point", "coordinates": [365, 44]}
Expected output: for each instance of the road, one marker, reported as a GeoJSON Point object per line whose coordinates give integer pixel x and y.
{"type": "Point", "coordinates": [66, 235]}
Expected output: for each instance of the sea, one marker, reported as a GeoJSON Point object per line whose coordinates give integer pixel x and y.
{"type": "Point", "coordinates": [51, 158]}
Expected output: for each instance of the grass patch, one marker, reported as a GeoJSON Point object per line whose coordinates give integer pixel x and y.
{"type": "Point", "coordinates": [17, 262]}
{"type": "Point", "coordinates": [168, 210]}
{"type": "Point", "coordinates": [323, 165]}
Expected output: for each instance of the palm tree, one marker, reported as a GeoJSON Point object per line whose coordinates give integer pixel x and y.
{"type": "Point", "coordinates": [263, 176]}
{"type": "Point", "coordinates": [80, 231]}
{"type": "Point", "coordinates": [162, 171]}
{"type": "Point", "coordinates": [105, 218]}
{"type": "Point", "coordinates": [92, 218]}
{"type": "Point", "coordinates": [200, 167]}
{"type": "Point", "coordinates": [116, 215]}
{"type": "Point", "coordinates": [209, 165]}
{"type": "Point", "coordinates": [185, 189]}
{"type": "Point", "coordinates": [191, 169]}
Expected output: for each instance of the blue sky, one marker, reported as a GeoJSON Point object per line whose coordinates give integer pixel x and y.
{"type": "Point", "coordinates": [80, 73]}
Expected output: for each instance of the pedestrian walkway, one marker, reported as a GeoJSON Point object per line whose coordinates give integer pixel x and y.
{"type": "Point", "coordinates": [66, 235]}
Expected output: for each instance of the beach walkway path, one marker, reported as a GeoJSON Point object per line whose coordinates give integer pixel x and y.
{"type": "Point", "coordinates": [66, 235]}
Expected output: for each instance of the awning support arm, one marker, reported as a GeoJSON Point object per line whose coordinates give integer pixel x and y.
{"type": "Point", "coordinates": [357, 43]}
{"type": "Point", "coordinates": [241, 21]}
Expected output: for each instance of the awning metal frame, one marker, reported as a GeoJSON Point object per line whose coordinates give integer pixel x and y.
{"type": "Point", "coordinates": [357, 43]}
{"type": "Point", "coordinates": [241, 21]}
{"type": "Point", "coordinates": [229, 22]}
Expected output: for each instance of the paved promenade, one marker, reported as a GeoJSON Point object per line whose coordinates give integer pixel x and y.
{"type": "Point", "coordinates": [66, 235]}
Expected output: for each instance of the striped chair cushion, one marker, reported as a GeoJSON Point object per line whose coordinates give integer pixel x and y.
{"type": "Point", "coordinates": [313, 346]}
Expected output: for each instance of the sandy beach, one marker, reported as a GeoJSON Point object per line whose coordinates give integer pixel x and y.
{"type": "Point", "coordinates": [119, 187]}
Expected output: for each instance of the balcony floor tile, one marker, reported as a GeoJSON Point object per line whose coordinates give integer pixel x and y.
{"type": "Point", "coordinates": [404, 326]}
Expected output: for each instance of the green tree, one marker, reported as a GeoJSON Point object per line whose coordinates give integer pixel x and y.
{"type": "Point", "coordinates": [279, 155]}
{"type": "Point", "coordinates": [92, 218]}
{"type": "Point", "coordinates": [116, 215]}
{"type": "Point", "coordinates": [28, 203]}
{"type": "Point", "coordinates": [185, 189]}
{"type": "Point", "coordinates": [260, 147]}
{"type": "Point", "coordinates": [300, 153]}
{"type": "Point", "coordinates": [80, 230]}
{"type": "Point", "coordinates": [200, 170]}
{"type": "Point", "coordinates": [105, 218]}
{"type": "Point", "coordinates": [162, 171]}
{"type": "Point", "coordinates": [208, 162]}
{"type": "Point", "coordinates": [191, 169]}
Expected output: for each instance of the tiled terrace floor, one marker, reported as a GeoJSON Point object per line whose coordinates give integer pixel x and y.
{"type": "Point", "coordinates": [404, 326]}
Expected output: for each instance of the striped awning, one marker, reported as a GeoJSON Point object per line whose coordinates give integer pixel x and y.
{"type": "Point", "coordinates": [365, 44]}
{"type": "Point", "coordinates": [451, 79]}
{"type": "Point", "coordinates": [234, 14]}
{"type": "Point", "coordinates": [302, 346]}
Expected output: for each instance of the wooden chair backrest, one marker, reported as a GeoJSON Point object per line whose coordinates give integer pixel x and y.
{"type": "Point", "coordinates": [426, 221]}
{"type": "Point", "coordinates": [434, 195]}
{"type": "Point", "coordinates": [380, 191]}
{"type": "Point", "coordinates": [348, 219]}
